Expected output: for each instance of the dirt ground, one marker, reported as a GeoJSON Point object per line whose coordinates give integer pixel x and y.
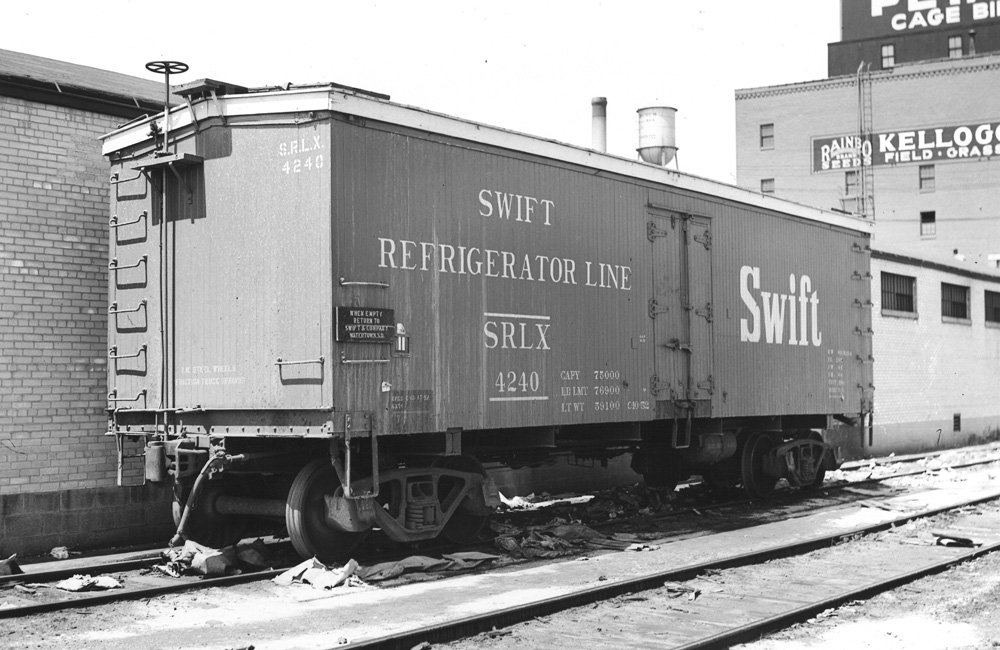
{"type": "Point", "coordinates": [958, 609]}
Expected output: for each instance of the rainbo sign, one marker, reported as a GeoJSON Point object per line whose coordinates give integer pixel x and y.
{"type": "Point", "coordinates": [938, 144]}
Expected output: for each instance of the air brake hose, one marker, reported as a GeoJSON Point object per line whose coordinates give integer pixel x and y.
{"type": "Point", "coordinates": [218, 460]}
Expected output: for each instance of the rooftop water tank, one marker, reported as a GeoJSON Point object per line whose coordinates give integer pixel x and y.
{"type": "Point", "coordinates": [657, 136]}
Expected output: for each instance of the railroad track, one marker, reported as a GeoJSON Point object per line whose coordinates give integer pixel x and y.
{"type": "Point", "coordinates": [732, 608]}
{"type": "Point", "coordinates": [141, 583]}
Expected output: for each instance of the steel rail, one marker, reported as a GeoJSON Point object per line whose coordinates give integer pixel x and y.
{"type": "Point", "coordinates": [785, 494]}
{"type": "Point", "coordinates": [100, 569]}
{"type": "Point", "coordinates": [473, 625]}
{"type": "Point", "coordinates": [752, 631]}
{"type": "Point", "coordinates": [146, 561]}
{"type": "Point", "coordinates": [115, 595]}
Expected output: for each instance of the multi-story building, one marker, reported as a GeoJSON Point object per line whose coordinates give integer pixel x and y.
{"type": "Point", "coordinates": [906, 131]}
{"type": "Point", "coordinates": [58, 473]}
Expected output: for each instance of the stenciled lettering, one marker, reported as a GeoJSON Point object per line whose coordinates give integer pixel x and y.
{"type": "Point", "coordinates": [509, 332]}
{"type": "Point", "coordinates": [773, 313]}
{"type": "Point", "coordinates": [515, 207]}
{"type": "Point", "coordinates": [436, 257]}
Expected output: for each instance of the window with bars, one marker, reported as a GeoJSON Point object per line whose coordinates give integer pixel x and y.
{"type": "Point", "coordinates": [954, 47]}
{"type": "Point", "coordinates": [954, 301]}
{"type": "Point", "coordinates": [992, 307]}
{"type": "Point", "coordinates": [767, 186]}
{"type": "Point", "coordinates": [928, 224]}
{"type": "Point", "coordinates": [767, 136]}
{"type": "Point", "coordinates": [899, 293]}
{"type": "Point", "coordinates": [926, 176]}
{"type": "Point", "coordinates": [888, 56]}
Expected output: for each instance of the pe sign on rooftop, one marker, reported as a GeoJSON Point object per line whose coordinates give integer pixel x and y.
{"type": "Point", "coordinates": [867, 18]}
{"type": "Point", "coordinates": [942, 144]}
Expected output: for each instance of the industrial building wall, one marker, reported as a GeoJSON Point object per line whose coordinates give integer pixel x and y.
{"type": "Point", "coordinates": [937, 379]}
{"type": "Point", "coordinates": [914, 112]}
{"type": "Point", "coordinates": [57, 469]}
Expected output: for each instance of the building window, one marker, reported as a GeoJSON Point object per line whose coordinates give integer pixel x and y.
{"type": "Point", "coordinates": [954, 301]}
{"type": "Point", "coordinates": [954, 47]}
{"type": "Point", "coordinates": [926, 178]}
{"type": "Point", "coordinates": [767, 186]}
{"type": "Point", "coordinates": [888, 56]}
{"type": "Point", "coordinates": [992, 307]}
{"type": "Point", "coordinates": [767, 136]}
{"type": "Point", "coordinates": [928, 224]}
{"type": "Point", "coordinates": [851, 183]}
{"type": "Point", "coordinates": [899, 293]}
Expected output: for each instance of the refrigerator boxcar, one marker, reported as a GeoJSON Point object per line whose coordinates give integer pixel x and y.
{"type": "Point", "coordinates": [328, 310]}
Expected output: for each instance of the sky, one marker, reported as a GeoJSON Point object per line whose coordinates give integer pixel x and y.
{"type": "Point", "coordinates": [528, 66]}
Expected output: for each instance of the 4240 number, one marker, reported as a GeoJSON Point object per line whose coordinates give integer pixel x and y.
{"type": "Point", "coordinates": [514, 382]}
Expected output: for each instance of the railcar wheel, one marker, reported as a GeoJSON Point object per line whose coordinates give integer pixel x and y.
{"type": "Point", "coordinates": [821, 471]}
{"type": "Point", "coordinates": [464, 526]}
{"type": "Point", "coordinates": [206, 526]}
{"type": "Point", "coordinates": [305, 515]}
{"type": "Point", "coordinates": [757, 482]}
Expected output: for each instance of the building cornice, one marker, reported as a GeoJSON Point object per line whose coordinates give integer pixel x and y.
{"type": "Point", "coordinates": [937, 266]}
{"type": "Point", "coordinates": [903, 72]}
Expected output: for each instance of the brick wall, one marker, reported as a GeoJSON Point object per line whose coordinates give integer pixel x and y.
{"type": "Point", "coordinates": [928, 368]}
{"type": "Point", "coordinates": [913, 97]}
{"type": "Point", "coordinates": [53, 323]}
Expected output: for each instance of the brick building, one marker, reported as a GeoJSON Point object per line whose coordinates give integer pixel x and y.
{"type": "Point", "coordinates": [57, 468]}
{"type": "Point", "coordinates": [905, 131]}
{"type": "Point", "coordinates": [939, 325]}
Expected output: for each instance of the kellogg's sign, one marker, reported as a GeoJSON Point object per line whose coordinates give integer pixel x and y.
{"type": "Point", "coordinates": [940, 144]}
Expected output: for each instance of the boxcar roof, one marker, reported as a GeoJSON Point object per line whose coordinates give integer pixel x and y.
{"type": "Point", "coordinates": [328, 97]}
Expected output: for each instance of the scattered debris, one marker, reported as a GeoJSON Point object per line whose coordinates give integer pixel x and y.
{"type": "Point", "coordinates": [60, 553]}
{"type": "Point", "coordinates": [195, 559]}
{"type": "Point", "coordinates": [555, 539]}
{"type": "Point", "coordinates": [642, 547]}
{"type": "Point", "coordinates": [945, 538]}
{"type": "Point", "coordinates": [10, 567]}
{"type": "Point", "coordinates": [482, 636]}
{"type": "Point", "coordinates": [25, 589]}
{"type": "Point", "coordinates": [423, 564]}
{"type": "Point", "coordinates": [88, 583]}
{"type": "Point", "coordinates": [678, 589]}
{"type": "Point", "coordinates": [319, 575]}
{"type": "Point", "coordinates": [544, 500]}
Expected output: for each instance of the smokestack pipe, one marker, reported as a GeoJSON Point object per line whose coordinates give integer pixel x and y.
{"type": "Point", "coordinates": [599, 133]}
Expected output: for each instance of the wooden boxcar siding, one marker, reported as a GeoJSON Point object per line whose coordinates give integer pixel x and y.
{"type": "Point", "coordinates": [136, 236]}
{"type": "Point", "coordinates": [248, 277]}
{"type": "Point", "coordinates": [402, 187]}
{"type": "Point", "coordinates": [758, 378]}
{"type": "Point", "coordinates": [392, 186]}
{"type": "Point", "coordinates": [253, 276]}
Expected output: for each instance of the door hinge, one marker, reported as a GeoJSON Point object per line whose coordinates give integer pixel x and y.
{"type": "Point", "coordinates": [658, 386]}
{"type": "Point", "coordinates": [653, 231]}
{"type": "Point", "coordinates": [656, 307]}
{"type": "Point", "coordinates": [705, 313]}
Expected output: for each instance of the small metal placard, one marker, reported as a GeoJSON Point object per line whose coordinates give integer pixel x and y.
{"type": "Point", "coordinates": [365, 325]}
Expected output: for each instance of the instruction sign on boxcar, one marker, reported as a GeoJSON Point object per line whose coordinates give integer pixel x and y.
{"type": "Point", "coordinates": [365, 325]}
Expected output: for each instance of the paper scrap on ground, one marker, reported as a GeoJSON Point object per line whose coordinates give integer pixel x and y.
{"type": "Point", "coordinates": [88, 583]}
